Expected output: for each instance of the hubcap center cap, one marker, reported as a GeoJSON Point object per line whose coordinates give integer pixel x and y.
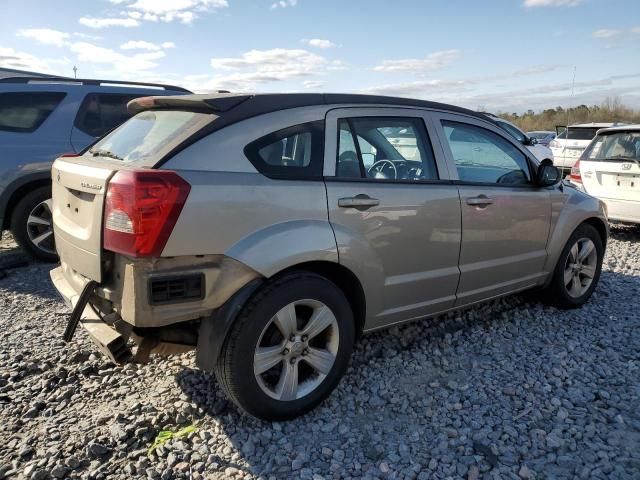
{"type": "Point", "coordinates": [297, 348]}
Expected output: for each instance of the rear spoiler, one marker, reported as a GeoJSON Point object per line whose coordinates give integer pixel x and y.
{"type": "Point", "coordinates": [217, 104]}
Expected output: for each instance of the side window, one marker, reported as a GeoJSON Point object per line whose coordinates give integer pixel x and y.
{"type": "Point", "coordinates": [481, 156]}
{"type": "Point", "coordinates": [99, 113]}
{"type": "Point", "coordinates": [24, 112]}
{"type": "Point", "coordinates": [385, 148]}
{"type": "Point", "coordinates": [294, 152]}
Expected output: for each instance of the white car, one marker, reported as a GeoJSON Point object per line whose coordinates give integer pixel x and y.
{"type": "Point", "coordinates": [609, 169]}
{"type": "Point", "coordinates": [541, 152]}
{"type": "Point", "coordinates": [567, 150]}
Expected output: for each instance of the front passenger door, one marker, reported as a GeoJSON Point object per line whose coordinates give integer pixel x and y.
{"type": "Point", "coordinates": [505, 217]}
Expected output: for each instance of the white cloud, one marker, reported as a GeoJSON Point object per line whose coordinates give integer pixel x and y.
{"type": "Point", "coordinates": [45, 35]}
{"type": "Point", "coordinates": [313, 83]}
{"type": "Point", "coordinates": [319, 43]}
{"type": "Point", "coordinates": [552, 3]}
{"type": "Point", "coordinates": [284, 4]}
{"type": "Point", "coordinates": [606, 33]}
{"type": "Point", "coordinates": [89, 53]}
{"type": "Point", "coordinates": [431, 62]}
{"type": "Point", "coordinates": [184, 11]}
{"type": "Point", "coordinates": [93, 22]}
{"type": "Point", "coordinates": [10, 58]}
{"type": "Point", "coordinates": [144, 45]}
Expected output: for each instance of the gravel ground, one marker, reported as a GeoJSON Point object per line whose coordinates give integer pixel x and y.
{"type": "Point", "coordinates": [510, 389]}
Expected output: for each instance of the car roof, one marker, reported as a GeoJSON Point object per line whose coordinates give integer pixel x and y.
{"type": "Point", "coordinates": [542, 131]}
{"type": "Point", "coordinates": [248, 105]}
{"type": "Point", "coordinates": [596, 124]}
{"type": "Point", "coordinates": [80, 82]}
{"type": "Point", "coordinates": [622, 128]}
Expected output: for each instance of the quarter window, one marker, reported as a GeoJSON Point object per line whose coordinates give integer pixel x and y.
{"type": "Point", "coordinates": [100, 113]}
{"type": "Point", "coordinates": [482, 156]}
{"type": "Point", "coordinates": [25, 111]}
{"type": "Point", "coordinates": [384, 149]}
{"type": "Point", "coordinates": [294, 152]}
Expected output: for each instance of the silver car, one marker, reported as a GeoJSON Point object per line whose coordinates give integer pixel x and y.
{"type": "Point", "coordinates": [268, 232]}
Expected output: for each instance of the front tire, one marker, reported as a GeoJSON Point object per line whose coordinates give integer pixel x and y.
{"type": "Point", "coordinates": [32, 225]}
{"type": "Point", "coordinates": [578, 269]}
{"type": "Point", "coordinates": [288, 348]}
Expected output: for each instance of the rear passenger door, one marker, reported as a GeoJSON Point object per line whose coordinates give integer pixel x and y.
{"type": "Point", "coordinates": [99, 113]}
{"type": "Point", "coordinates": [394, 212]}
{"type": "Point", "coordinates": [505, 217]}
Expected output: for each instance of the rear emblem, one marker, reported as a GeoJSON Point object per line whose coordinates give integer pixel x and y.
{"type": "Point", "coordinates": [92, 186]}
{"type": "Point", "coordinates": [626, 166]}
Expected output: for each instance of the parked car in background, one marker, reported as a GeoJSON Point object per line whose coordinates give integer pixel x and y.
{"type": "Point", "coordinates": [609, 169]}
{"type": "Point", "coordinates": [571, 142]}
{"type": "Point", "coordinates": [543, 137]}
{"type": "Point", "coordinates": [540, 151]}
{"type": "Point", "coordinates": [269, 231]}
{"type": "Point", "coordinates": [40, 118]}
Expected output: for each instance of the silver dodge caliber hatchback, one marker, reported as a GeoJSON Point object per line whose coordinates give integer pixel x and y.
{"type": "Point", "coordinates": [269, 231]}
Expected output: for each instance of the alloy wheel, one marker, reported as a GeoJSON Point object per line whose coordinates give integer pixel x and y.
{"type": "Point", "coordinates": [580, 267]}
{"type": "Point", "coordinates": [296, 350]}
{"type": "Point", "coordinates": [40, 227]}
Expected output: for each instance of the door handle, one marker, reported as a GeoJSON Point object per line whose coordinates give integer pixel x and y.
{"type": "Point", "coordinates": [359, 201]}
{"type": "Point", "coordinates": [479, 201]}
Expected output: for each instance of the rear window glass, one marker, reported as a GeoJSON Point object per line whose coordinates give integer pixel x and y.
{"type": "Point", "coordinates": [614, 146]}
{"type": "Point", "coordinates": [149, 134]}
{"type": "Point", "coordinates": [99, 113]}
{"type": "Point", "coordinates": [293, 153]}
{"type": "Point", "coordinates": [578, 134]}
{"type": "Point", "coordinates": [26, 111]}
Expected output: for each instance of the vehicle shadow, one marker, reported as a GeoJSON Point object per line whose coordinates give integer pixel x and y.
{"type": "Point", "coordinates": [446, 357]}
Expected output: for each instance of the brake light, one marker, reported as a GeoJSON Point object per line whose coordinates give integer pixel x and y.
{"type": "Point", "coordinates": [575, 175]}
{"type": "Point", "coordinates": [141, 209]}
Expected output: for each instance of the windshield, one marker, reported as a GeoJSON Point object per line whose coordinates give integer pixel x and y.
{"type": "Point", "coordinates": [614, 146]}
{"type": "Point", "coordinates": [578, 133]}
{"type": "Point", "coordinates": [149, 134]}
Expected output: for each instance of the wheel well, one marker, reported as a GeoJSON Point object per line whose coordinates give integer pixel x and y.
{"type": "Point", "coordinates": [15, 197]}
{"type": "Point", "coordinates": [345, 280]}
{"type": "Point", "coordinates": [600, 226]}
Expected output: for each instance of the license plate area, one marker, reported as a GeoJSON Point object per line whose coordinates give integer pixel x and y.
{"type": "Point", "coordinates": [628, 182]}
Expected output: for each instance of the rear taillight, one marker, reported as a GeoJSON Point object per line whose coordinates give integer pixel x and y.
{"type": "Point", "coordinates": [575, 175]}
{"type": "Point", "coordinates": [141, 209]}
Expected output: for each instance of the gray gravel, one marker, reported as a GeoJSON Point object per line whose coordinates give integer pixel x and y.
{"type": "Point", "coordinates": [511, 389]}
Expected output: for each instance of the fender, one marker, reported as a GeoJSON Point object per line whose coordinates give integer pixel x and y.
{"type": "Point", "coordinates": [278, 247]}
{"type": "Point", "coordinates": [566, 220]}
{"type": "Point", "coordinates": [213, 330]}
{"type": "Point", "coordinates": [11, 188]}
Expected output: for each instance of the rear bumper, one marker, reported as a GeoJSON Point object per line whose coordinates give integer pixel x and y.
{"type": "Point", "coordinates": [623, 210]}
{"type": "Point", "coordinates": [127, 292]}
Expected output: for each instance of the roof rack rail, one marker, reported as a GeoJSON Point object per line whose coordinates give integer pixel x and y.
{"type": "Point", "coordinates": [88, 81]}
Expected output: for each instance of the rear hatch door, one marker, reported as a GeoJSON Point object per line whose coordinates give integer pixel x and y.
{"type": "Point", "coordinates": [610, 166]}
{"type": "Point", "coordinates": [79, 187]}
{"type": "Point", "coordinates": [612, 179]}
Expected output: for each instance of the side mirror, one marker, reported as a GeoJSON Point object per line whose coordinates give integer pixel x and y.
{"type": "Point", "coordinates": [532, 141]}
{"type": "Point", "coordinates": [548, 175]}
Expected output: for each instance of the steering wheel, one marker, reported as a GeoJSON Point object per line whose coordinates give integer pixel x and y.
{"type": "Point", "coordinates": [378, 169]}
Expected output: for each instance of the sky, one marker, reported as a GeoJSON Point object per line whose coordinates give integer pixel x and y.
{"type": "Point", "coordinates": [501, 55]}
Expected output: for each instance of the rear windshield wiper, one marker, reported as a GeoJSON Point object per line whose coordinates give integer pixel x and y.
{"type": "Point", "coordinates": [623, 158]}
{"type": "Point", "coordinates": [105, 153]}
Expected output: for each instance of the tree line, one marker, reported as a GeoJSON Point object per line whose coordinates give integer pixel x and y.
{"type": "Point", "coordinates": [610, 110]}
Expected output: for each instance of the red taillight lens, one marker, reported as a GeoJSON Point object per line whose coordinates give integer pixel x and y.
{"type": "Point", "coordinates": [575, 175]}
{"type": "Point", "coordinates": [141, 209]}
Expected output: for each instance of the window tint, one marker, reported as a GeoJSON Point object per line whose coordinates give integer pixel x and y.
{"type": "Point", "coordinates": [26, 111]}
{"type": "Point", "coordinates": [385, 148]}
{"type": "Point", "coordinates": [513, 131]}
{"type": "Point", "coordinates": [481, 156]}
{"type": "Point", "coordinates": [294, 152]}
{"type": "Point", "coordinates": [100, 113]}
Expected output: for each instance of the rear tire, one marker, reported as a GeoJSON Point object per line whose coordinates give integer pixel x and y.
{"type": "Point", "coordinates": [32, 226]}
{"type": "Point", "coordinates": [578, 269]}
{"type": "Point", "coordinates": [276, 370]}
